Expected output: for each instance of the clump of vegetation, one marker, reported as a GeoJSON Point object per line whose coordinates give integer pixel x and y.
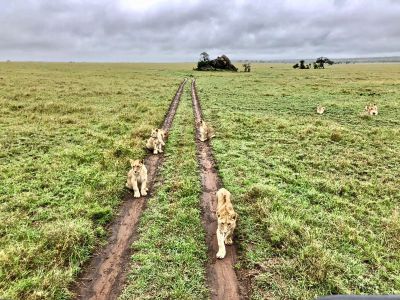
{"type": "Point", "coordinates": [318, 64]}
{"type": "Point", "coordinates": [321, 61]}
{"type": "Point", "coordinates": [336, 136]}
{"type": "Point", "coordinates": [220, 63]}
{"type": "Point", "coordinates": [301, 65]}
{"type": "Point", "coordinates": [247, 67]}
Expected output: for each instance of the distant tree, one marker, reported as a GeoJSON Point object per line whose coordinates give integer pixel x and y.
{"type": "Point", "coordinates": [323, 60]}
{"type": "Point", "coordinates": [204, 57]}
{"type": "Point", "coordinates": [247, 67]}
{"type": "Point", "coordinates": [203, 61]}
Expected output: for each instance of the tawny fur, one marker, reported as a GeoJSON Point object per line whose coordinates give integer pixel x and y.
{"type": "Point", "coordinates": [137, 176]}
{"type": "Point", "coordinates": [161, 136]}
{"type": "Point", "coordinates": [320, 110]}
{"type": "Point", "coordinates": [205, 130]}
{"type": "Point", "coordinates": [371, 109]}
{"type": "Point", "coordinates": [226, 217]}
{"type": "Point", "coordinates": [153, 143]}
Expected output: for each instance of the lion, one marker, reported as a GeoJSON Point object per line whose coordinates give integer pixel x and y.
{"type": "Point", "coordinates": [320, 109]}
{"type": "Point", "coordinates": [161, 135]}
{"type": "Point", "coordinates": [371, 109]}
{"type": "Point", "coordinates": [153, 143]}
{"type": "Point", "coordinates": [206, 131]}
{"type": "Point", "coordinates": [137, 175]}
{"type": "Point", "coordinates": [226, 217]}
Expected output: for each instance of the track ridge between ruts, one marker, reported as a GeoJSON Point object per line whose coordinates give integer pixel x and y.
{"type": "Point", "coordinates": [105, 274]}
{"type": "Point", "coordinates": [221, 276]}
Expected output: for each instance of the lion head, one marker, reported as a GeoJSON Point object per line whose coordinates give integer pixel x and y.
{"type": "Point", "coordinates": [226, 221]}
{"type": "Point", "coordinates": [154, 133]}
{"type": "Point", "coordinates": [136, 165]}
{"type": "Point", "coordinates": [373, 110]}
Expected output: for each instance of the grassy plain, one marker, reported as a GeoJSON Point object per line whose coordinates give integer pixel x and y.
{"type": "Point", "coordinates": [170, 254]}
{"type": "Point", "coordinates": [67, 131]}
{"type": "Point", "coordinates": [318, 196]}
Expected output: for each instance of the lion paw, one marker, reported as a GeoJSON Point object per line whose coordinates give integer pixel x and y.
{"type": "Point", "coordinates": [228, 242]}
{"type": "Point", "coordinates": [221, 254]}
{"type": "Point", "coordinates": [136, 195]}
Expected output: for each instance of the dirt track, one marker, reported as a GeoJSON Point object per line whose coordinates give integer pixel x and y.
{"type": "Point", "coordinates": [221, 277]}
{"type": "Point", "coordinates": [104, 277]}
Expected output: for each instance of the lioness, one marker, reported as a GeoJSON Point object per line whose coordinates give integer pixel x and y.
{"type": "Point", "coordinates": [226, 221]}
{"type": "Point", "coordinates": [161, 136]}
{"type": "Point", "coordinates": [206, 131]}
{"type": "Point", "coordinates": [153, 143]}
{"type": "Point", "coordinates": [371, 109]}
{"type": "Point", "coordinates": [320, 109]}
{"type": "Point", "coordinates": [137, 175]}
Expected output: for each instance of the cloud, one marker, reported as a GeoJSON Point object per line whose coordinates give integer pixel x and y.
{"type": "Point", "coordinates": [176, 30]}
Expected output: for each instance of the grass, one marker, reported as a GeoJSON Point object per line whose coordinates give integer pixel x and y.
{"type": "Point", "coordinates": [67, 131]}
{"type": "Point", "coordinates": [318, 196]}
{"type": "Point", "coordinates": [169, 257]}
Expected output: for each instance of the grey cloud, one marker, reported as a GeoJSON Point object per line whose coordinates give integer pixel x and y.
{"type": "Point", "coordinates": [179, 30]}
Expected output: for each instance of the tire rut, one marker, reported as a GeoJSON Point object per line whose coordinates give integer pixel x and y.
{"type": "Point", "coordinates": [221, 276]}
{"type": "Point", "coordinates": [104, 276]}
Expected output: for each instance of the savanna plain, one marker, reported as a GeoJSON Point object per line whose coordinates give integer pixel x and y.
{"type": "Point", "coordinates": [317, 195]}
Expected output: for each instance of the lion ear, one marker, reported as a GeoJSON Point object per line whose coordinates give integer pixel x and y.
{"type": "Point", "coordinates": [234, 216]}
{"type": "Point", "coordinates": [142, 161]}
{"type": "Point", "coordinates": [131, 161]}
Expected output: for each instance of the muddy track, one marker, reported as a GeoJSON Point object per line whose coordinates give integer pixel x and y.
{"type": "Point", "coordinates": [104, 276]}
{"type": "Point", "coordinates": [221, 276]}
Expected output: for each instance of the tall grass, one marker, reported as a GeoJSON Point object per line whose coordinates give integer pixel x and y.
{"type": "Point", "coordinates": [318, 196]}
{"type": "Point", "coordinates": [67, 131]}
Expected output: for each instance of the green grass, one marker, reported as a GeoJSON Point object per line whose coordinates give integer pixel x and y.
{"type": "Point", "coordinates": [318, 196]}
{"type": "Point", "coordinates": [169, 257]}
{"type": "Point", "coordinates": [67, 131]}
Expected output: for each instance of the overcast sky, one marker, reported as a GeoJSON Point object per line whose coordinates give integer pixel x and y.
{"type": "Point", "coordinates": [175, 30]}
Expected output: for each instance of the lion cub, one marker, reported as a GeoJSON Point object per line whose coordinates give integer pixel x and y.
{"type": "Point", "coordinates": [371, 109]}
{"type": "Point", "coordinates": [320, 109]}
{"type": "Point", "coordinates": [226, 221]}
{"type": "Point", "coordinates": [206, 131]}
{"type": "Point", "coordinates": [161, 135]}
{"type": "Point", "coordinates": [154, 143]}
{"type": "Point", "coordinates": [137, 175]}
